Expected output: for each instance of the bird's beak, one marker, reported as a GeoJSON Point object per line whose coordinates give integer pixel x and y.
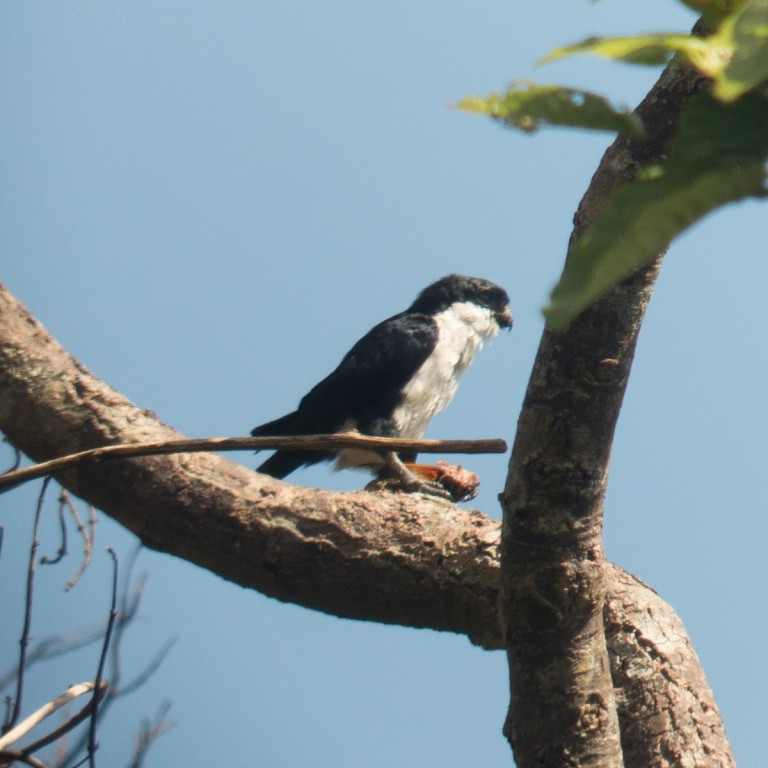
{"type": "Point", "coordinates": [504, 319]}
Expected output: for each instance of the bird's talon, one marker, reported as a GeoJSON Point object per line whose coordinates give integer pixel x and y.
{"type": "Point", "coordinates": [399, 485]}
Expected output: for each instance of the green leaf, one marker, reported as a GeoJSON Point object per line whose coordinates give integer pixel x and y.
{"type": "Point", "coordinates": [736, 56]}
{"type": "Point", "coordinates": [745, 32]}
{"type": "Point", "coordinates": [528, 106]}
{"type": "Point", "coordinates": [718, 157]}
{"type": "Point", "coordinates": [653, 50]}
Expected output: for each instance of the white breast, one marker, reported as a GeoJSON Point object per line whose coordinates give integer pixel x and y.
{"type": "Point", "coordinates": [462, 329]}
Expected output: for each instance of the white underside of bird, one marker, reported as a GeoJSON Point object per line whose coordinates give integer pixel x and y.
{"type": "Point", "coordinates": [463, 328]}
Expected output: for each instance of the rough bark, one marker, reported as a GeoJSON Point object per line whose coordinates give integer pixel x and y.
{"type": "Point", "coordinates": [392, 558]}
{"type": "Point", "coordinates": [666, 711]}
{"type": "Point", "coordinates": [563, 708]}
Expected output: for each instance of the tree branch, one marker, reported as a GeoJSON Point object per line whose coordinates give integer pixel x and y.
{"type": "Point", "coordinates": [294, 442]}
{"type": "Point", "coordinates": [555, 584]}
{"type": "Point", "coordinates": [393, 558]}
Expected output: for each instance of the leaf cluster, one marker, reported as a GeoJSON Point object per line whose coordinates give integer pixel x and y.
{"type": "Point", "coordinates": [717, 156]}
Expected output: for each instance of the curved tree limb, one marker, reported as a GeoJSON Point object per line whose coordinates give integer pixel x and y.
{"type": "Point", "coordinates": [563, 673]}
{"type": "Point", "coordinates": [667, 714]}
{"type": "Point", "coordinates": [393, 558]}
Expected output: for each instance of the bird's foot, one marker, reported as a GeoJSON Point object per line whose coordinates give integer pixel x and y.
{"type": "Point", "coordinates": [460, 483]}
{"type": "Point", "coordinates": [414, 485]}
{"type": "Point", "coordinates": [447, 481]}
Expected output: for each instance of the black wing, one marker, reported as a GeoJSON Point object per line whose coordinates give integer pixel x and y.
{"type": "Point", "coordinates": [367, 384]}
{"type": "Point", "coordinates": [361, 393]}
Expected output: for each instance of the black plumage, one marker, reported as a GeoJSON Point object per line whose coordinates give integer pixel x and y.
{"type": "Point", "coordinates": [369, 389]}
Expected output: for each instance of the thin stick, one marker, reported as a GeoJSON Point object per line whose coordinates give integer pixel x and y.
{"type": "Point", "coordinates": [45, 560]}
{"type": "Point", "coordinates": [24, 642]}
{"type": "Point", "coordinates": [292, 443]}
{"type": "Point", "coordinates": [87, 534]}
{"type": "Point", "coordinates": [92, 743]}
{"type": "Point", "coordinates": [64, 728]}
{"type": "Point", "coordinates": [26, 725]}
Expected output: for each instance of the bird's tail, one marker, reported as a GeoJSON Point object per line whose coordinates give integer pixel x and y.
{"type": "Point", "coordinates": [281, 463]}
{"type": "Point", "coordinates": [285, 425]}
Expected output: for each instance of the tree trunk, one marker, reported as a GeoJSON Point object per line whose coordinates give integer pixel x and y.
{"type": "Point", "coordinates": [566, 673]}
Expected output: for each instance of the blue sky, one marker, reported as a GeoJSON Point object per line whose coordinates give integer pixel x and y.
{"type": "Point", "coordinates": [207, 203]}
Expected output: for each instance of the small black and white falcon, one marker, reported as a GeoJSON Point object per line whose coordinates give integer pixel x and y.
{"type": "Point", "coordinates": [392, 382]}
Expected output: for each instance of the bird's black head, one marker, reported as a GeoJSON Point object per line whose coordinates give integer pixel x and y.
{"type": "Point", "coordinates": [460, 288]}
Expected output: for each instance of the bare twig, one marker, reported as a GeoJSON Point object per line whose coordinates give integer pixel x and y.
{"type": "Point", "coordinates": [45, 560]}
{"type": "Point", "coordinates": [53, 646]}
{"type": "Point", "coordinates": [149, 732]}
{"type": "Point", "coordinates": [88, 534]}
{"type": "Point", "coordinates": [149, 670]}
{"type": "Point", "coordinates": [60, 644]}
{"type": "Point", "coordinates": [92, 743]}
{"type": "Point", "coordinates": [26, 725]}
{"type": "Point", "coordinates": [65, 727]}
{"type": "Point", "coordinates": [129, 604]}
{"type": "Point", "coordinates": [24, 641]}
{"type": "Point", "coordinates": [297, 442]}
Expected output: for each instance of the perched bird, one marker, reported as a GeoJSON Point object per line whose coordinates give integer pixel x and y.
{"type": "Point", "coordinates": [392, 382]}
